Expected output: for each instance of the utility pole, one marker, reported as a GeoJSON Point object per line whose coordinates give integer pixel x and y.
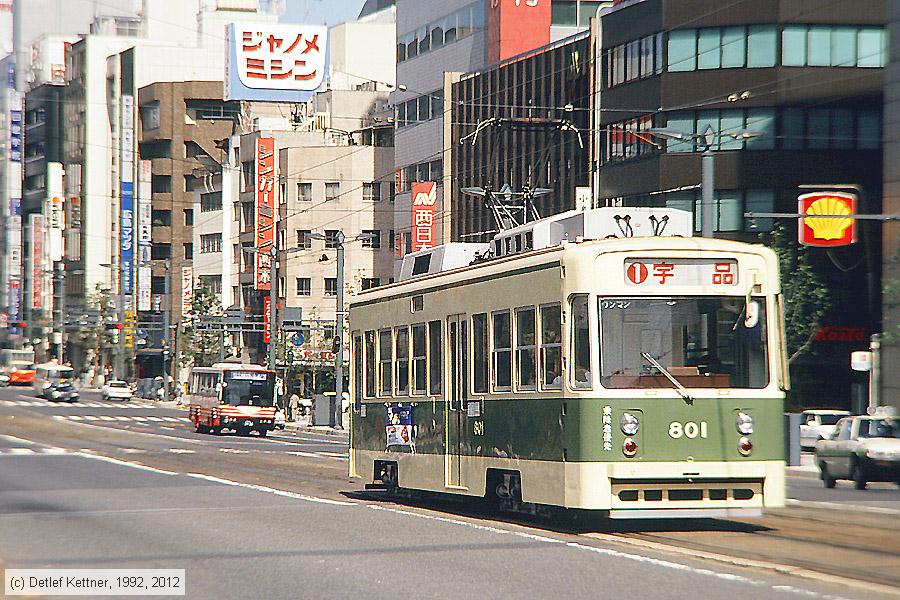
{"type": "Point", "coordinates": [167, 318]}
{"type": "Point", "coordinates": [273, 299]}
{"type": "Point", "coordinates": [61, 312]}
{"type": "Point", "coordinates": [339, 335]}
{"type": "Point", "coordinates": [707, 195]}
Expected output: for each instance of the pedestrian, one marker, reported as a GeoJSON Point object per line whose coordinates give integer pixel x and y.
{"type": "Point", "coordinates": [294, 406]}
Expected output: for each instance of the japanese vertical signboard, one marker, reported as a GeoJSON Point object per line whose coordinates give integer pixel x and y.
{"type": "Point", "coordinates": [14, 191]}
{"type": "Point", "coordinates": [424, 199]}
{"type": "Point", "coordinates": [266, 61]}
{"type": "Point", "coordinates": [144, 224]}
{"type": "Point", "coordinates": [126, 202]}
{"type": "Point", "coordinates": [267, 321]}
{"type": "Point", "coordinates": [266, 166]}
{"type": "Point", "coordinates": [187, 290]}
{"type": "Point", "coordinates": [54, 210]}
{"type": "Point", "coordinates": [38, 265]}
{"type": "Point", "coordinates": [829, 219]}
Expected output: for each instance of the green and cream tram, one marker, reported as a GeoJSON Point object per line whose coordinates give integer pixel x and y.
{"type": "Point", "coordinates": [593, 360]}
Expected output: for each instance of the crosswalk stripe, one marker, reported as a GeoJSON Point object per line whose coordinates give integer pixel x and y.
{"type": "Point", "coordinates": [106, 418]}
{"type": "Point", "coordinates": [90, 418]}
{"type": "Point", "coordinates": [157, 419]}
{"type": "Point", "coordinates": [21, 451]}
{"type": "Point", "coordinates": [33, 452]}
{"type": "Point", "coordinates": [139, 418]}
{"type": "Point", "coordinates": [45, 403]}
{"type": "Point", "coordinates": [75, 417]}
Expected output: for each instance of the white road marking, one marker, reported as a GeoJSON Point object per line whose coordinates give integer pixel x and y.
{"type": "Point", "coordinates": [106, 418]}
{"type": "Point", "coordinates": [20, 451]}
{"type": "Point", "coordinates": [181, 451]}
{"type": "Point", "coordinates": [75, 417]}
{"type": "Point", "coordinates": [125, 463]}
{"type": "Point", "coordinates": [878, 510]}
{"type": "Point", "coordinates": [262, 488]}
{"type": "Point", "coordinates": [157, 419]}
{"type": "Point", "coordinates": [49, 451]}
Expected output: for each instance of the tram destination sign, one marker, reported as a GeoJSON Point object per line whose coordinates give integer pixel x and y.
{"type": "Point", "coordinates": [662, 272]}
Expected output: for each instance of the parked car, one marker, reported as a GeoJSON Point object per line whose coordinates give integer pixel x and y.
{"type": "Point", "coordinates": [818, 425]}
{"type": "Point", "coordinates": [4, 380]}
{"type": "Point", "coordinates": [116, 389]}
{"type": "Point", "coordinates": [62, 391]}
{"type": "Point", "coordinates": [862, 449]}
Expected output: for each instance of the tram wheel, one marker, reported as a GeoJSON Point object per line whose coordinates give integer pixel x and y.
{"type": "Point", "coordinates": [263, 432]}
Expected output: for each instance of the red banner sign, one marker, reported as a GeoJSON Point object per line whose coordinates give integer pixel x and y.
{"type": "Point", "coordinates": [424, 200]}
{"type": "Point", "coordinates": [517, 26]}
{"type": "Point", "coordinates": [829, 219]}
{"type": "Point", "coordinates": [266, 166]}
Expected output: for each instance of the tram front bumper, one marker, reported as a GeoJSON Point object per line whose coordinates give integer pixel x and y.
{"type": "Point", "coordinates": [665, 489]}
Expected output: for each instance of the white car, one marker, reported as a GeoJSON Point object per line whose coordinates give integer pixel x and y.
{"type": "Point", "coordinates": [818, 425]}
{"type": "Point", "coordinates": [118, 390]}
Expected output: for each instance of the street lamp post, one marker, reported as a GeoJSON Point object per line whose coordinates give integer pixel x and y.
{"type": "Point", "coordinates": [340, 314]}
{"type": "Point", "coordinates": [706, 140]}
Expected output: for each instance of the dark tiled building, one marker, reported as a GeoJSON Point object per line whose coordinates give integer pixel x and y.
{"type": "Point", "coordinates": [180, 124]}
{"type": "Point", "coordinates": [533, 112]}
{"type": "Point", "coordinates": [805, 79]}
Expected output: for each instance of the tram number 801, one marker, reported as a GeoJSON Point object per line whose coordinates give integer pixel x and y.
{"type": "Point", "coordinates": [690, 429]}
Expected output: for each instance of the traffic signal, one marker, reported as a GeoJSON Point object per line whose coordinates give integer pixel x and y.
{"type": "Point", "coordinates": [336, 344]}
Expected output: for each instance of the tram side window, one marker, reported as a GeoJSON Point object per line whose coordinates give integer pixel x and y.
{"type": "Point", "coordinates": [502, 351]}
{"type": "Point", "coordinates": [418, 359]}
{"type": "Point", "coordinates": [357, 371]}
{"type": "Point", "coordinates": [385, 361]}
{"type": "Point", "coordinates": [580, 371]}
{"type": "Point", "coordinates": [401, 357]}
{"type": "Point", "coordinates": [480, 353]}
{"type": "Point", "coordinates": [370, 364]}
{"type": "Point", "coordinates": [525, 349]}
{"type": "Point", "coordinates": [435, 364]}
{"type": "Point", "coordinates": [551, 348]}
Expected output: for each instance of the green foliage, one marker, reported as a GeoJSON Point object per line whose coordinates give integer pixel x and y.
{"type": "Point", "coordinates": [200, 348]}
{"type": "Point", "coordinates": [890, 299]}
{"type": "Point", "coordinates": [806, 298]}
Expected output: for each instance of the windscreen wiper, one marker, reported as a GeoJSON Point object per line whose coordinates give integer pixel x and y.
{"type": "Point", "coordinates": [678, 387]}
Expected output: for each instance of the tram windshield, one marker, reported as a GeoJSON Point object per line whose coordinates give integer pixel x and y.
{"type": "Point", "coordinates": [702, 341]}
{"type": "Point", "coordinates": [249, 388]}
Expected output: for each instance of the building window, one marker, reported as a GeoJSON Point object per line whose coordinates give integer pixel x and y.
{"type": "Point", "coordinates": [392, 243]}
{"type": "Point", "coordinates": [682, 50]}
{"type": "Point", "coordinates": [755, 46]}
{"type": "Point", "coordinates": [372, 192]}
{"type": "Point", "coordinates": [331, 286]}
{"type": "Point", "coordinates": [210, 243]}
{"type": "Point", "coordinates": [832, 46]}
{"type": "Point", "coordinates": [188, 251]}
{"type": "Point", "coordinates": [248, 170]}
{"type": "Point", "coordinates": [162, 218]}
{"type": "Point", "coordinates": [210, 201]}
{"type": "Point", "coordinates": [370, 282]}
{"type": "Point", "coordinates": [372, 238]}
{"type": "Point", "coordinates": [161, 184]}
{"type": "Point", "coordinates": [332, 238]}
{"type": "Point", "coordinates": [212, 283]}
{"type": "Point", "coordinates": [762, 46]}
{"type": "Point", "coordinates": [304, 192]}
{"type": "Point", "coordinates": [304, 240]}
{"type": "Point", "coordinates": [160, 251]}
{"type": "Point", "coordinates": [188, 217]}
{"type": "Point", "coordinates": [440, 32]}
{"type": "Point", "coordinates": [332, 191]}
{"type": "Point", "coordinates": [304, 286]}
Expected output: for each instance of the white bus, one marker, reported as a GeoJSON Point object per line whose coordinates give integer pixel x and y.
{"type": "Point", "coordinates": [232, 396]}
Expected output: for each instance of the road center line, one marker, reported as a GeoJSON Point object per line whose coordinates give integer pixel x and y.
{"type": "Point", "coordinates": [879, 510]}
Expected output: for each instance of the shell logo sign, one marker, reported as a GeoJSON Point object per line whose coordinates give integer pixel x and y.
{"type": "Point", "coordinates": [829, 219]}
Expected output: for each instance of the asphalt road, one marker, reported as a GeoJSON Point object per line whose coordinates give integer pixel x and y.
{"type": "Point", "coordinates": [112, 485]}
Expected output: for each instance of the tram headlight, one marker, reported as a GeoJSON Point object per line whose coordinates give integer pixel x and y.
{"type": "Point", "coordinates": [744, 423]}
{"type": "Point", "coordinates": [629, 424]}
{"type": "Point", "coordinates": [629, 447]}
{"type": "Point", "coordinates": [745, 446]}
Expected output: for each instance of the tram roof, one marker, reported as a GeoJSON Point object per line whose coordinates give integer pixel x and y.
{"type": "Point", "coordinates": [566, 251]}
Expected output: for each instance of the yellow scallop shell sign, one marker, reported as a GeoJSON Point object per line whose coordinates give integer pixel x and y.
{"type": "Point", "coordinates": [828, 219]}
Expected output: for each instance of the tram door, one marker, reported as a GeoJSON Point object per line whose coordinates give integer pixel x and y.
{"type": "Point", "coordinates": [458, 385]}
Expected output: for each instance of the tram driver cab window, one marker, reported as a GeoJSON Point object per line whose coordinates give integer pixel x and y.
{"type": "Point", "coordinates": [580, 375]}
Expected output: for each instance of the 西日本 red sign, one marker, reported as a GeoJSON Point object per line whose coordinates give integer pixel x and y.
{"type": "Point", "coordinates": [424, 199]}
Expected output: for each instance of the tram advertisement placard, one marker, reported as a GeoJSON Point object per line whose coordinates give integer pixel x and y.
{"type": "Point", "coordinates": [399, 426]}
{"type": "Point", "coordinates": [657, 272]}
